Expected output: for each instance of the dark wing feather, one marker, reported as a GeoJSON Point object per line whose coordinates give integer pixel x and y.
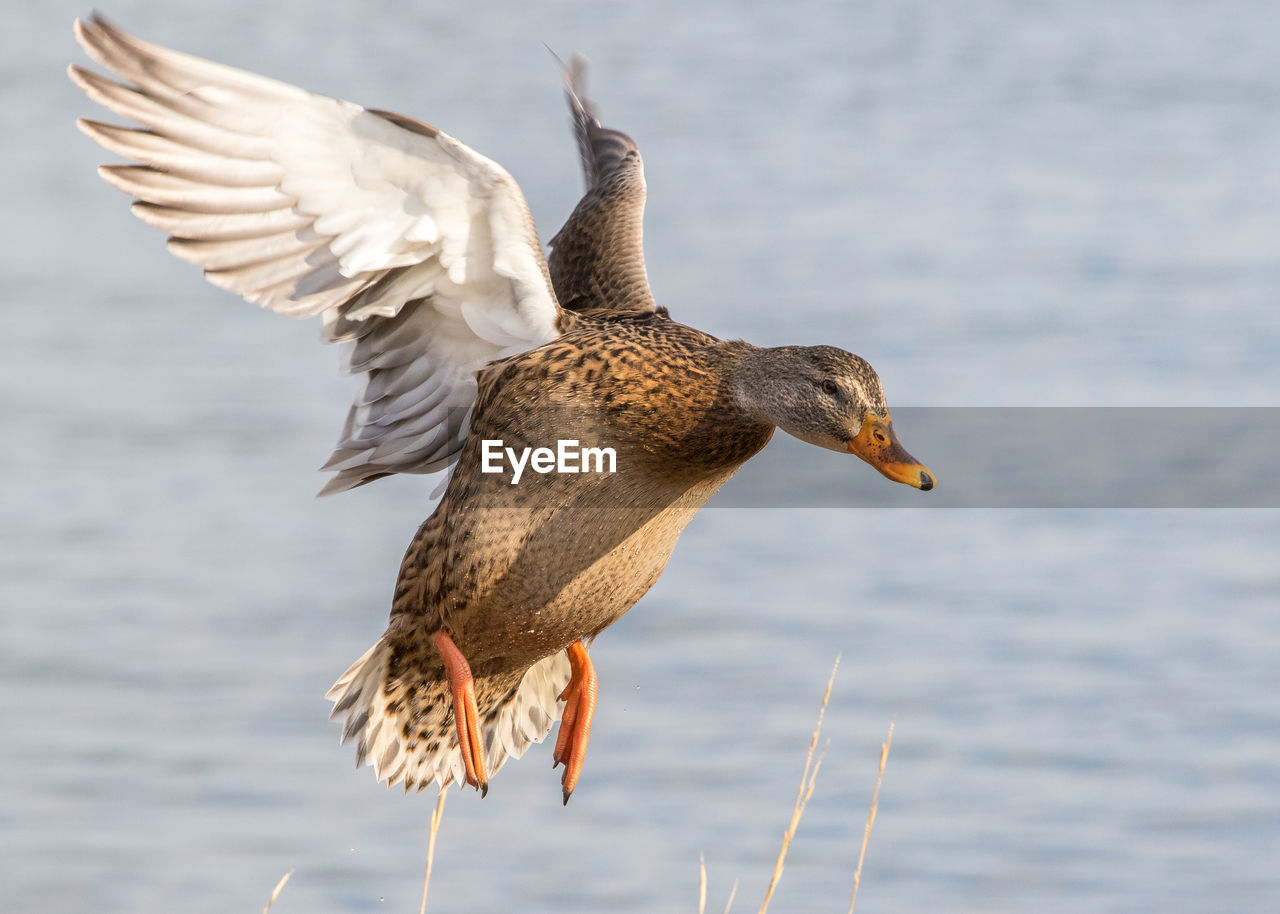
{"type": "Point", "coordinates": [597, 258]}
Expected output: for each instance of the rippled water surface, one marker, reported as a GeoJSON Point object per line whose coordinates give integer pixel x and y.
{"type": "Point", "coordinates": [997, 204]}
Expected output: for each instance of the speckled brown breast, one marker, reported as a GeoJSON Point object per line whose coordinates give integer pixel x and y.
{"type": "Point", "coordinates": [517, 572]}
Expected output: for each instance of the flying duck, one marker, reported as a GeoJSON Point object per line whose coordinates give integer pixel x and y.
{"type": "Point", "coordinates": [473, 351]}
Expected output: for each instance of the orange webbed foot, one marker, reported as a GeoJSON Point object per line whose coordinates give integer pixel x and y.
{"type": "Point", "coordinates": [575, 725]}
{"type": "Point", "coordinates": [465, 714]}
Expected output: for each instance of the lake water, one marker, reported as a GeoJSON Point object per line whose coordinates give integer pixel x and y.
{"type": "Point", "coordinates": [998, 204]}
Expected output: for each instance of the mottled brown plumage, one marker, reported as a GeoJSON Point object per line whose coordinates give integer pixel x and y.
{"type": "Point", "coordinates": [422, 254]}
{"type": "Point", "coordinates": [573, 552]}
{"type": "Point", "coordinates": [516, 573]}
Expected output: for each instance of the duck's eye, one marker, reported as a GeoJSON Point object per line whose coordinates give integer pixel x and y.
{"type": "Point", "coordinates": [829, 386]}
{"type": "Point", "coordinates": [880, 436]}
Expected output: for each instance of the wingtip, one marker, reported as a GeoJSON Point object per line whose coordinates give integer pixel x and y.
{"type": "Point", "coordinates": [558, 59]}
{"type": "Point", "coordinates": [78, 75]}
{"type": "Point", "coordinates": [93, 27]}
{"type": "Point", "coordinates": [121, 177]}
{"type": "Point", "coordinates": [574, 74]}
{"type": "Point", "coordinates": [89, 127]}
{"type": "Point", "coordinates": [96, 36]}
{"type": "Point", "coordinates": [95, 21]}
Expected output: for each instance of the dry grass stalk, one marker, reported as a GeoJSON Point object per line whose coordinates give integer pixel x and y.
{"type": "Point", "coordinates": [431, 846]}
{"type": "Point", "coordinates": [871, 816]}
{"type": "Point", "coordinates": [275, 893]}
{"type": "Point", "coordinates": [702, 888]}
{"type": "Point", "coordinates": [807, 781]}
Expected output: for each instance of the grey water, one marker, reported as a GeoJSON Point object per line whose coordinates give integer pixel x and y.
{"type": "Point", "coordinates": [998, 204]}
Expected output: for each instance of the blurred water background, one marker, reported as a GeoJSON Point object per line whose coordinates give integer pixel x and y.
{"type": "Point", "coordinates": [997, 203]}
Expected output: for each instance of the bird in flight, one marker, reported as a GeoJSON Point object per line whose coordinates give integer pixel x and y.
{"type": "Point", "coordinates": [420, 256]}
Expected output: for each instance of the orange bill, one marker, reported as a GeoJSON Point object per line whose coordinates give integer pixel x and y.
{"type": "Point", "coordinates": [878, 445]}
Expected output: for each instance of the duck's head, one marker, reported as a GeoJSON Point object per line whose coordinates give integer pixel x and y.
{"type": "Point", "coordinates": [828, 397]}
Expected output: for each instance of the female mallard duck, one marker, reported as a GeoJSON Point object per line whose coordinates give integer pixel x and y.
{"type": "Point", "coordinates": [422, 256]}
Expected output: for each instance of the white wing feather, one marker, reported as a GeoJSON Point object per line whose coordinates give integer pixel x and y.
{"type": "Point", "coordinates": [417, 250]}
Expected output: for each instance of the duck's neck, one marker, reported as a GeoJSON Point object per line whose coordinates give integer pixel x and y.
{"type": "Point", "coordinates": [757, 380]}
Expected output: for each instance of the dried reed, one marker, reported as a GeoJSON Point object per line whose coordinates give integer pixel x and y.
{"type": "Point", "coordinates": [431, 846]}
{"type": "Point", "coordinates": [275, 893]}
{"type": "Point", "coordinates": [807, 780]}
{"type": "Point", "coordinates": [871, 816]}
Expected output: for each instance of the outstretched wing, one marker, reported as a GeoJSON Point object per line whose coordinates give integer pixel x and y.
{"type": "Point", "coordinates": [597, 258]}
{"type": "Point", "coordinates": [418, 251]}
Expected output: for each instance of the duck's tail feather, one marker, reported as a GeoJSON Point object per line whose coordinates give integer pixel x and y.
{"type": "Point", "coordinates": [403, 725]}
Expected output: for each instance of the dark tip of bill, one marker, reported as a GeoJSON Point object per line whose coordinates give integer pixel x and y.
{"type": "Point", "coordinates": [926, 482]}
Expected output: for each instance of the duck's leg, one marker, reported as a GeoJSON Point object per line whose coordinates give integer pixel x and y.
{"type": "Point", "coordinates": [465, 714]}
{"type": "Point", "coordinates": [575, 724]}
